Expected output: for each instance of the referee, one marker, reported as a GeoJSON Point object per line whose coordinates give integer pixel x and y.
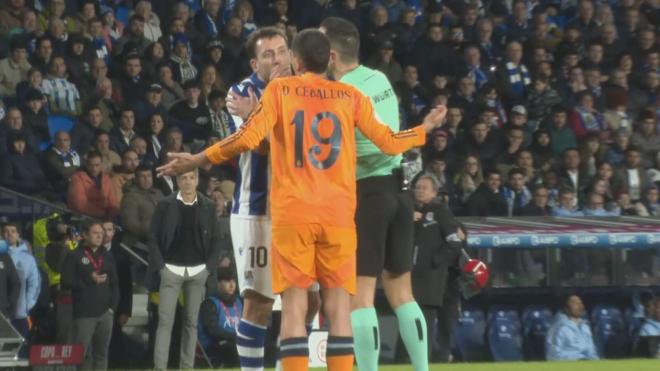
{"type": "Point", "coordinates": [384, 215]}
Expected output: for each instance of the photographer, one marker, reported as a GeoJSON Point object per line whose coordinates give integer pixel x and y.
{"type": "Point", "coordinates": [438, 242]}
{"type": "Point", "coordinates": [90, 273]}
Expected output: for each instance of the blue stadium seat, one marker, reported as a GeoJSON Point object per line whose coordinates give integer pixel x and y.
{"type": "Point", "coordinates": [470, 335]}
{"type": "Point", "coordinates": [609, 330]}
{"type": "Point", "coordinates": [59, 123]}
{"type": "Point", "coordinates": [505, 340]}
{"type": "Point", "coordinates": [497, 312]}
{"type": "Point", "coordinates": [535, 321]}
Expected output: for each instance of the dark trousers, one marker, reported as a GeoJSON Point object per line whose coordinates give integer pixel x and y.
{"type": "Point", "coordinates": [94, 334]}
{"type": "Point", "coordinates": [21, 325]}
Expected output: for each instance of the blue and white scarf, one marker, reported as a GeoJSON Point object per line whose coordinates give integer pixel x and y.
{"type": "Point", "coordinates": [518, 77]}
{"type": "Point", "coordinates": [478, 76]}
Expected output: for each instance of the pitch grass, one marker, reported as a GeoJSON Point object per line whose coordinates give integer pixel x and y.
{"type": "Point", "coordinates": [609, 365]}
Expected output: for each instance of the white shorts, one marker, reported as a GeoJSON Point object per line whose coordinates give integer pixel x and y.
{"type": "Point", "coordinates": [251, 237]}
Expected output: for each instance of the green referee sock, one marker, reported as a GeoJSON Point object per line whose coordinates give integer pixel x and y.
{"type": "Point", "coordinates": [412, 327]}
{"type": "Point", "coordinates": [366, 338]}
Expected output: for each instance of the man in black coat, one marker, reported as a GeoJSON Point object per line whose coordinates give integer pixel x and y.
{"type": "Point", "coordinates": [438, 243]}
{"type": "Point", "coordinates": [10, 285]}
{"type": "Point", "coordinates": [183, 252]}
{"type": "Point", "coordinates": [90, 273]}
{"type": "Point", "coordinates": [488, 200]}
{"type": "Point", "coordinates": [539, 204]}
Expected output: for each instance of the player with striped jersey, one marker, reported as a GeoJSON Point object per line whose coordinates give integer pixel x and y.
{"type": "Point", "coordinates": [250, 221]}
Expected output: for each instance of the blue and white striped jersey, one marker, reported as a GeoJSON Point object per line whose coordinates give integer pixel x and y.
{"type": "Point", "coordinates": [252, 181]}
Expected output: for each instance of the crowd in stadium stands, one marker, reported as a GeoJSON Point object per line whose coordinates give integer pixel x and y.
{"type": "Point", "coordinates": [553, 106]}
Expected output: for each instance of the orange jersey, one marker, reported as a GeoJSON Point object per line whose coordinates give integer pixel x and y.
{"type": "Point", "coordinates": [311, 122]}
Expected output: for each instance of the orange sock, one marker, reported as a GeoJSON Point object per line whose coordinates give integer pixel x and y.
{"type": "Point", "coordinates": [294, 354]}
{"type": "Point", "coordinates": [339, 353]}
{"type": "Point", "coordinates": [296, 363]}
{"type": "Point", "coordinates": [340, 363]}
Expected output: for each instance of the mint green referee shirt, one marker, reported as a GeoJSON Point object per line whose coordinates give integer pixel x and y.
{"type": "Point", "coordinates": [371, 161]}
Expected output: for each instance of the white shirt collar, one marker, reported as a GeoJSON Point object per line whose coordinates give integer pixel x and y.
{"type": "Point", "coordinates": [180, 198]}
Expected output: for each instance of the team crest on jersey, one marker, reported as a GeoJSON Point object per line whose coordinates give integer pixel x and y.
{"type": "Point", "coordinates": [429, 216]}
{"type": "Point", "coordinates": [85, 260]}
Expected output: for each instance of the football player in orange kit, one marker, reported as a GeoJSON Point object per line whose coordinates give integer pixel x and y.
{"type": "Point", "coordinates": [310, 122]}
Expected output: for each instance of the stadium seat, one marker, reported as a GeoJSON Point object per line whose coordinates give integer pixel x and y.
{"type": "Point", "coordinates": [535, 321]}
{"type": "Point", "coordinates": [497, 312]}
{"type": "Point", "coordinates": [59, 123]}
{"type": "Point", "coordinates": [469, 334]}
{"type": "Point", "coordinates": [505, 340]}
{"type": "Point", "coordinates": [610, 334]}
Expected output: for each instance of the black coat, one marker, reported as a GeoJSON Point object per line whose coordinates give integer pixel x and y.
{"type": "Point", "coordinates": [124, 277]}
{"type": "Point", "coordinates": [90, 299]}
{"type": "Point", "coordinates": [433, 255]}
{"type": "Point", "coordinates": [485, 202]}
{"type": "Point", "coordinates": [164, 227]}
{"type": "Point", "coordinates": [10, 285]}
{"type": "Point", "coordinates": [22, 173]}
{"type": "Point", "coordinates": [82, 137]}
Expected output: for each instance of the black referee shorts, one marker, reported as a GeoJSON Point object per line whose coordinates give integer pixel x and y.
{"type": "Point", "coordinates": [385, 231]}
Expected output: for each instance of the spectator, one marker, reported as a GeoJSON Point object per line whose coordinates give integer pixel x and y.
{"type": "Point", "coordinates": [61, 162]}
{"type": "Point", "coordinates": [14, 68]}
{"type": "Point", "coordinates": [110, 158]}
{"type": "Point", "coordinates": [34, 82]}
{"type": "Point", "coordinates": [132, 82]}
{"type": "Point", "coordinates": [650, 204]}
{"type": "Point", "coordinates": [120, 137]}
{"type": "Point", "coordinates": [646, 138]}
{"type": "Point", "coordinates": [85, 130]}
{"type": "Point", "coordinates": [469, 178]}
{"type": "Point", "coordinates": [488, 200]}
{"type": "Point", "coordinates": [124, 173]}
{"type": "Point", "coordinates": [139, 145]}
{"type": "Point", "coordinates": [515, 193]}
{"type": "Point", "coordinates": [166, 184]}
{"type": "Point", "coordinates": [566, 205]}
{"type": "Point", "coordinates": [132, 40]}
{"type": "Point", "coordinates": [91, 192]}
{"type": "Point", "coordinates": [10, 286]}
{"type": "Point", "coordinates": [541, 99]}
{"type": "Point", "coordinates": [541, 149]}
{"type": "Point", "coordinates": [591, 154]}
{"type": "Point", "coordinates": [13, 125]}
{"type": "Point", "coordinates": [616, 152]}
{"type": "Point", "coordinates": [10, 15]}
{"type": "Point", "coordinates": [515, 138]}
{"type": "Point", "coordinates": [35, 117]}
{"type": "Point", "coordinates": [219, 117]}
{"type": "Point", "coordinates": [218, 319]}
{"type": "Point", "coordinates": [616, 116]}
{"type": "Point", "coordinates": [631, 175]}
{"type": "Point", "coordinates": [208, 21]}
{"type": "Point", "coordinates": [561, 135]}
{"type": "Point", "coordinates": [585, 119]}
{"type": "Point", "coordinates": [149, 106]}
{"type": "Point", "coordinates": [596, 206]}
{"type": "Point", "coordinates": [481, 141]}
{"type": "Point", "coordinates": [107, 100]}
{"type": "Point", "coordinates": [112, 28]}
{"type": "Point", "coordinates": [651, 325]}
{"type": "Point", "coordinates": [172, 90]}
{"type": "Point", "coordinates": [538, 205]}
{"type": "Point", "coordinates": [152, 31]}
{"type": "Point", "coordinates": [191, 115]}
{"type": "Point", "coordinates": [138, 206]}
{"type": "Point", "coordinates": [383, 61]}
{"type": "Point", "coordinates": [432, 55]}
{"type": "Point", "coordinates": [180, 60]}
{"type": "Point", "coordinates": [43, 54]}
{"type": "Point", "coordinates": [512, 76]}
{"type": "Point", "coordinates": [90, 273]}
{"type": "Point", "coordinates": [183, 260]}
{"type": "Point", "coordinates": [569, 338]}
{"type": "Point", "coordinates": [154, 57]}
{"type": "Point", "coordinates": [63, 95]}
{"type": "Point", "coordinates": [28, 275]}
{"type": "Point", "coordinates": [20, 169]}
{"type": "Point", "coordinates": [570, 173]}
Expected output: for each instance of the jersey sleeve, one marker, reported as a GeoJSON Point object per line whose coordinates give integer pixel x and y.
{"type": "Point", "coordinates": [381, 135]}
{"type": "Point", "coordinates": [252, 132]}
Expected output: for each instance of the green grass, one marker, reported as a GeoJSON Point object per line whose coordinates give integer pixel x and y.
{"type": "Point", "coordinates": [619, 365]}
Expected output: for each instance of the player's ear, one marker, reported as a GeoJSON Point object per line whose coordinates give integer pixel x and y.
{"type": "Point", "coordinates": [253, 64]}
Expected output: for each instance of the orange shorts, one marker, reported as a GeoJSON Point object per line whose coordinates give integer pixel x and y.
{"type": "Point", "coordinates": [304, 254]}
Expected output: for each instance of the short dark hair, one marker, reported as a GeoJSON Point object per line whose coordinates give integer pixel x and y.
{"type": "Point", "coordinates": [142, 168]}
{"type": "Point", "coordinates": [92, 154]}
{"type": "Point", "coordinates": [15, 225]}
{"type": "Point", "coordinates": [87, 224]}
{"type": "Point", "coordinates": [313, 48]}
{"type": "Point", "coordinates": [262, 33]}
{"type": "Point", "coordinates": [344, 37]}
{"type": "Point", "coordinates": [515, 171]}
{"type": "Point", "coordinates": [217, 94]}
